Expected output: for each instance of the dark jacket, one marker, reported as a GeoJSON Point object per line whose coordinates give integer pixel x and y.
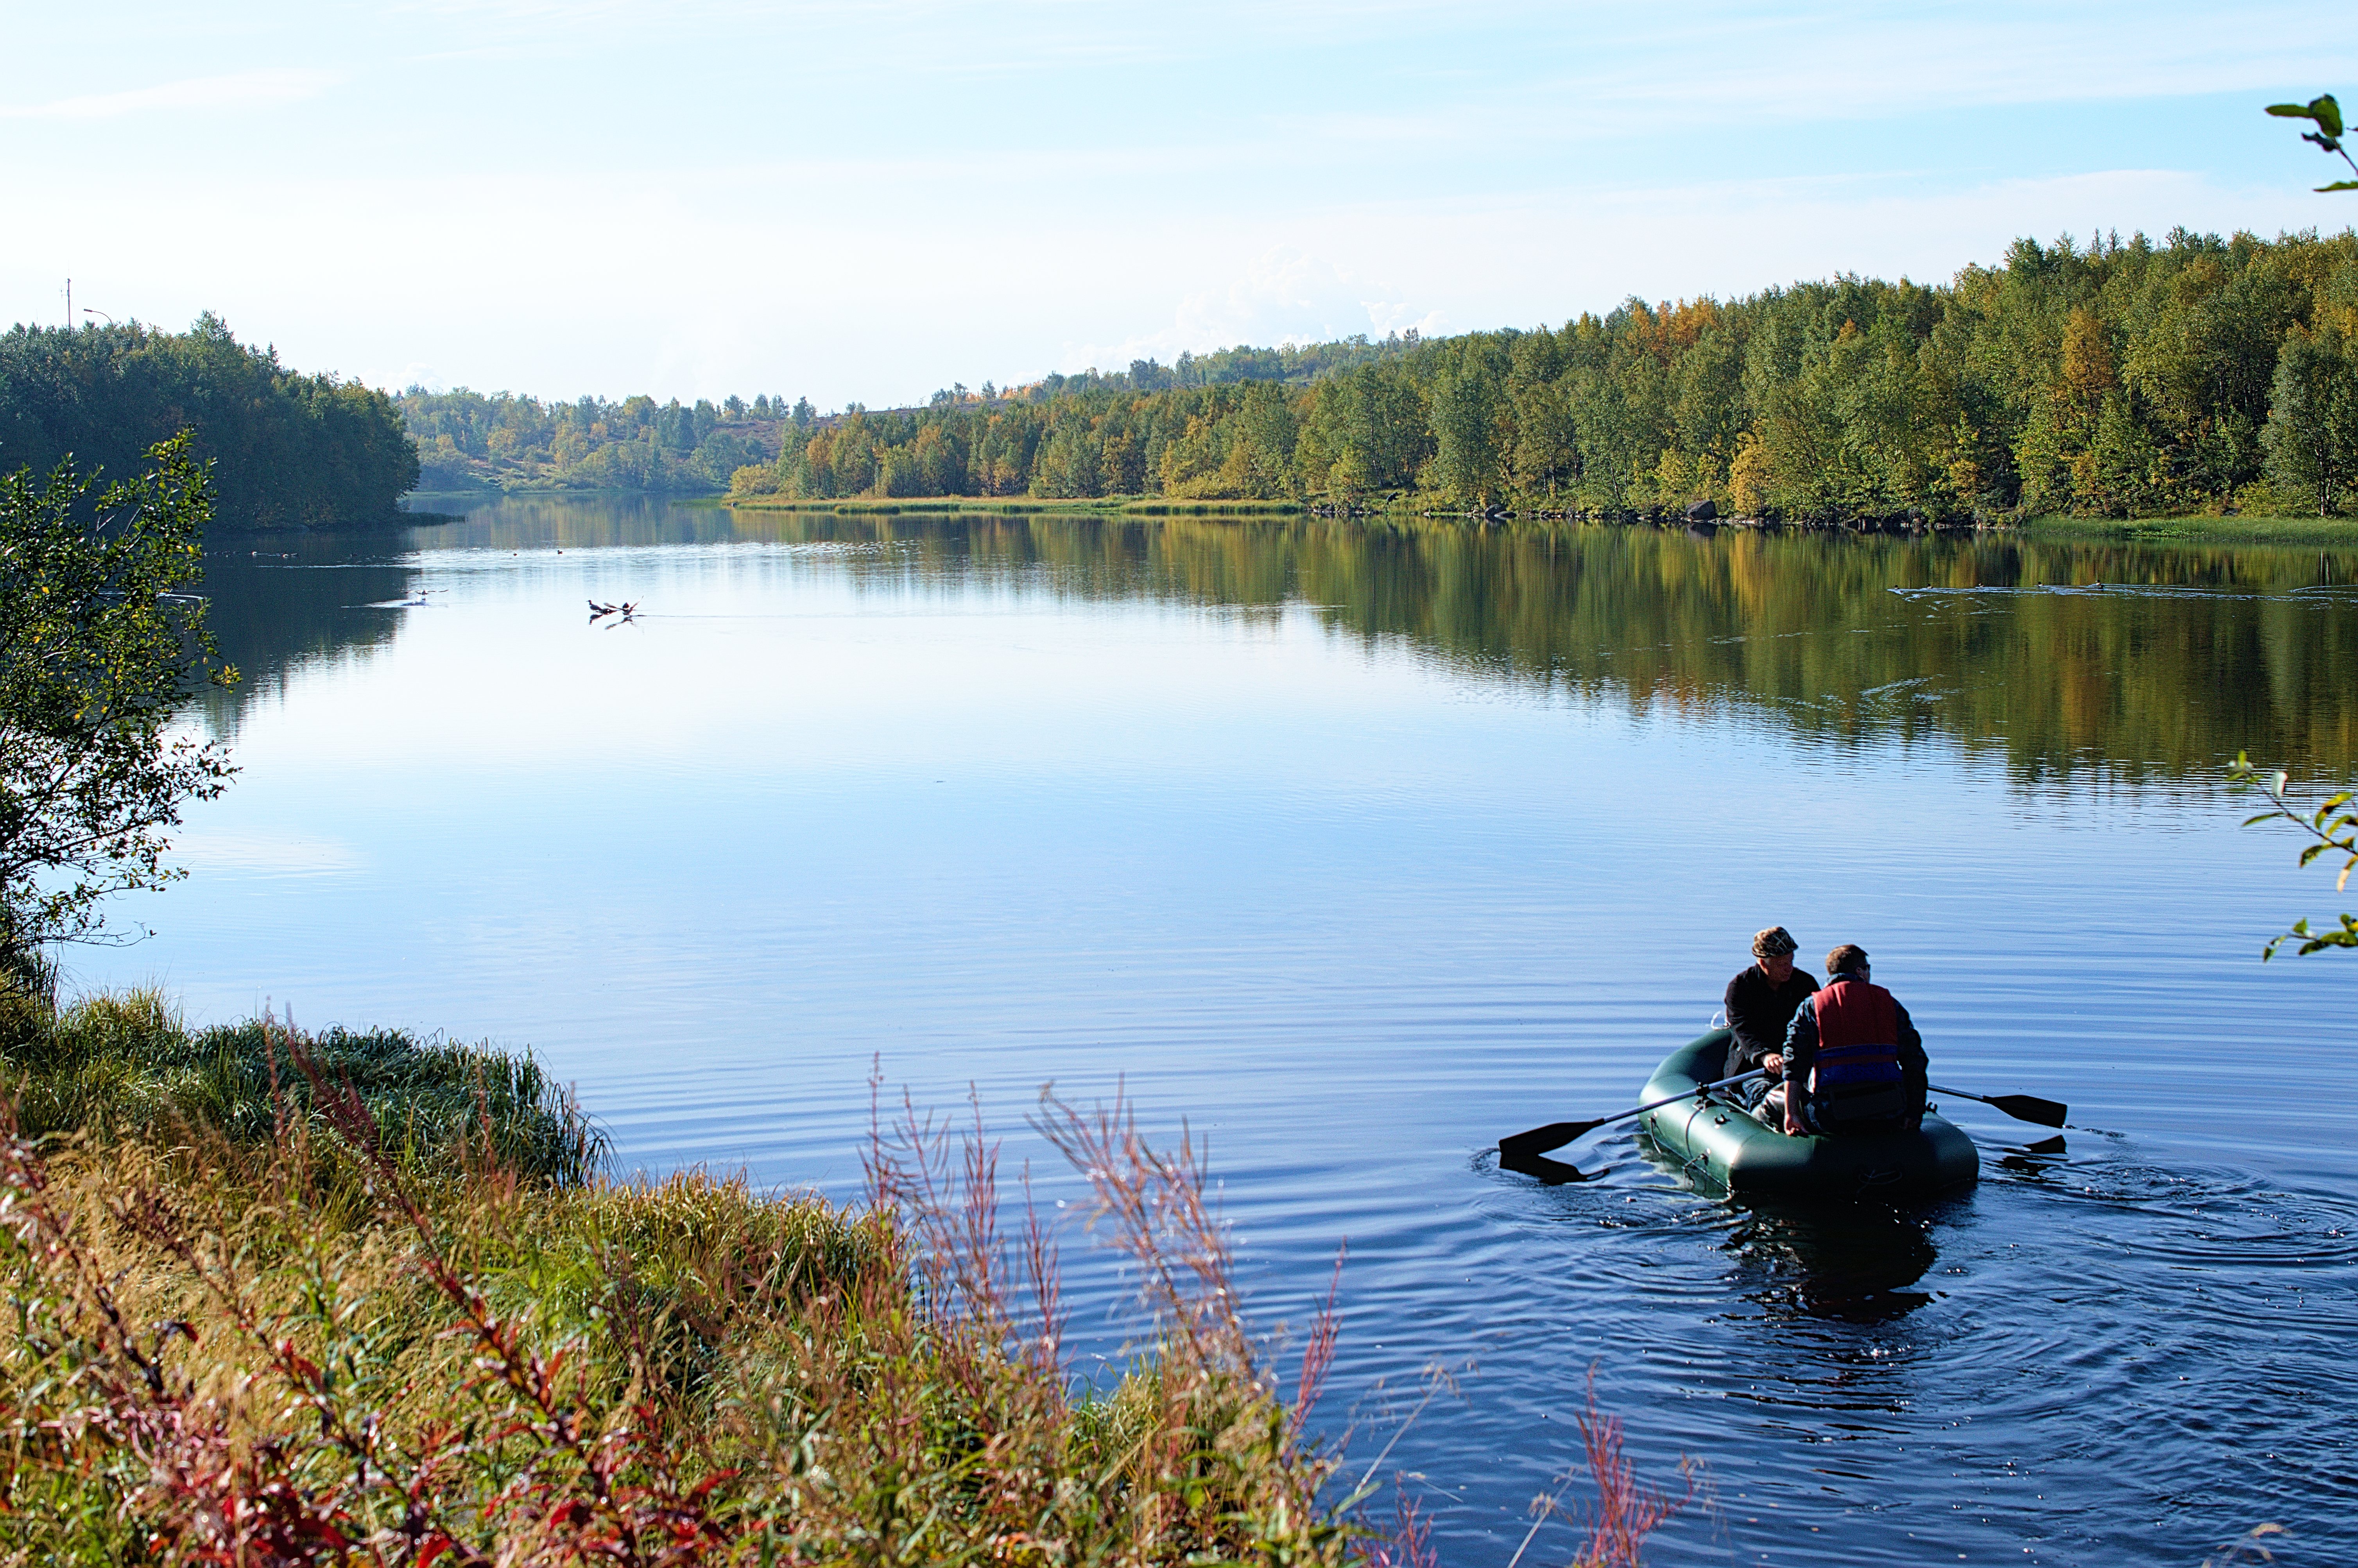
{"type": "Point", "coordinates": [1757, 1014]}
{"type": "Point", "coordinates": [1802, 1049]}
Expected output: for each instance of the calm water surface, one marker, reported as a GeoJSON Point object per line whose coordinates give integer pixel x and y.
{"type": "Point", "coordinates": [1355, 849]}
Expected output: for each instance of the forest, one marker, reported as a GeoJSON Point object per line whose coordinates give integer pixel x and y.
{"type": "Point", "coordinates": [2198, 374]}
{"type": "Point", "coordinates": [287, 450]}
{"type": "Point", "coordinates": [2110, 380]}
{"type": "Point", "coordinates": [470, 440]}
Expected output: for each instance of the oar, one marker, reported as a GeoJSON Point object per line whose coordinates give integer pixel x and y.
{"type": "Point", "coordinates": [2022, 1108]}
{"type": "Point", "coordinates": [1556, 1134]}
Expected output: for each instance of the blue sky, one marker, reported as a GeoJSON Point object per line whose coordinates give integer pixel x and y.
{"type": "Point", "coordinates": [868, 201]}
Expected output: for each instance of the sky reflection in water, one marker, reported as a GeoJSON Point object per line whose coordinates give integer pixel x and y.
{"type": "Point", "coordinates": [1356, 848]}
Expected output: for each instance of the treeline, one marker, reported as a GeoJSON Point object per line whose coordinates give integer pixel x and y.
{"type": "Point", "coordinates": [2120, 379]}
{"type": "Point", "coordinates": [468, 441]}
{"type": "Point", "coordinates": [1298, 363]}
{"type": "Point", "coordinates": [287, 450]}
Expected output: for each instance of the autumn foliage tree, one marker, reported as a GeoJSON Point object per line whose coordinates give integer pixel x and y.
{"type": "Point", "coordinates": [2106, 378]}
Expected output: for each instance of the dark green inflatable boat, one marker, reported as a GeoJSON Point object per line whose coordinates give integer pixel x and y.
{"type": "Point", "coordinates": [1723, 1149]}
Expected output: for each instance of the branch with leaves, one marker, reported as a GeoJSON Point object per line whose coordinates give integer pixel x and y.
{"type": "Point", "coordinates": [2334, 827]}
{"type": "Point", "coordinates": [102, 641]}
{"type": "Point", "coordinates": [2327, 115]}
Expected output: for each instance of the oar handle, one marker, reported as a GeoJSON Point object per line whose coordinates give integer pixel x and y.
{"type": "Point", "coordinates": [1556, 1134]}
{"type": "Point", "coordinates": [2022, 1108]}
{"type": "Point", "coordinates": [1696, 1093]}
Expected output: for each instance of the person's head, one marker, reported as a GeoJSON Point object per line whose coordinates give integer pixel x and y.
{"type": "Point", "coordinates": [1847, 959]}
{"type": "Point", "coordinates": [1774, 950]}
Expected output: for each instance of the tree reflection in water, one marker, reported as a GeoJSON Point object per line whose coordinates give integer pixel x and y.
{"type": "Point", "coordinates": [2134, 661]}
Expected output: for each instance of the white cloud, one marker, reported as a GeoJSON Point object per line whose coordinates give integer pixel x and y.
{"type": "Point", "coordinates": [242, 90]}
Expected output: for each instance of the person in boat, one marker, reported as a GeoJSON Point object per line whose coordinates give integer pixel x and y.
{"type": "Point", "coordinates": [1853, 1060]}
{"type": "Point", "coordinates": [1759, 1003]}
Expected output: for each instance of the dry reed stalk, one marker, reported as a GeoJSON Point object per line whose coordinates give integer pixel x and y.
{"type": "Point", "coordinates": [1627, 1509]}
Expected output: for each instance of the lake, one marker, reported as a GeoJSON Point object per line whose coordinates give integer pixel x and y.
{"type": "Point", "coordinates": [1352, 848]}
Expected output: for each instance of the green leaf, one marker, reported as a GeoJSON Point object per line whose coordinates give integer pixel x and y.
{"type": "Point", "coordinates": [2292, 111]}
{"type": "Point", "coordinates": [2340, 185]}
{"type": "Point", "coordinates": [2326, 113]}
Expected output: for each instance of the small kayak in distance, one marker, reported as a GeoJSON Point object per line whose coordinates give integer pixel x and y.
{"type": "Point", "coordinates": [1725, 1150]}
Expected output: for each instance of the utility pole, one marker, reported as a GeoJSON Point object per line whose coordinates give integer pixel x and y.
{"type": "Point", "coordinates": [70, 304]}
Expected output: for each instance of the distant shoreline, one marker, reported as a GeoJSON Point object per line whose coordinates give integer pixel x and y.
{"type": "Point", "coordinates": [2192, 530]}
{"type": "Point", "coordinates": [1132, 506]}
{"type": "Point", "coordinates": [2199, 530]}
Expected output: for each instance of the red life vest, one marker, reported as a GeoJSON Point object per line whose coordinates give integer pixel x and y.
{"type": "Point", "coordinates": [1855, 1076]}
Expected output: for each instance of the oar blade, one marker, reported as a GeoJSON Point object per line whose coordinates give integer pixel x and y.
{"type": "Point", "coordinates": [1539, 1140]}
{"type": "Point", "coordinates": [2031, 1109]}
{"type": "Point", "coordinates": [1555, 1172]}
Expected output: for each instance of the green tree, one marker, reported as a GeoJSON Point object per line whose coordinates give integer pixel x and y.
{"type": "Point", "coordinates": [1467, 402]}
{"type": "Point", "coordinates": [2312, 432]}
{"type": "Point", "coordinates": [285, 449]}
{"type": "Point", "coordinates": [100, 644]}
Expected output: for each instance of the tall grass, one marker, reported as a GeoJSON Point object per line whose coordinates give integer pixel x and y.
{"type": "Point", "coordinates": [280, 1299]}
{"type": "Point", "coordinates": [127, 1064]}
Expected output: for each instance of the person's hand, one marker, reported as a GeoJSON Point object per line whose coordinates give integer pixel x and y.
{"type": "Point", "coordinates": [1793, 1128]}
{"type": "Point", "coordinates": [1775, 1062]}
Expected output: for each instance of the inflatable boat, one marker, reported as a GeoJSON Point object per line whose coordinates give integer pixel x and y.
{"type": "Point", "coordinates": [1723, 1149]}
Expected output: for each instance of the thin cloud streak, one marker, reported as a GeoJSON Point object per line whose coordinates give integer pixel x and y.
{"type": "Point", "coordinates": [867, 201]}
{"type": "Point", "coordinates": [242, 90]}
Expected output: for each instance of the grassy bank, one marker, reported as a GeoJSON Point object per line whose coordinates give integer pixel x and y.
{"type": "Point", "coordinates": [2321, 531]}
{"type": "Point", "coordinates": [356, 1297]}
{"type": "Point", "coordinates": [404, 1314]}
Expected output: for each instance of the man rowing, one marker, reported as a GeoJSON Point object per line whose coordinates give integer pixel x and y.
{"type": "Point", "coordinates": [1853, 1060]}
{"type": "Point", "coordinates": [1759, 1003]}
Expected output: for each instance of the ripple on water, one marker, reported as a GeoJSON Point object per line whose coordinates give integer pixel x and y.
{"type": "Point", "coordinates": [2120, 1355]}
